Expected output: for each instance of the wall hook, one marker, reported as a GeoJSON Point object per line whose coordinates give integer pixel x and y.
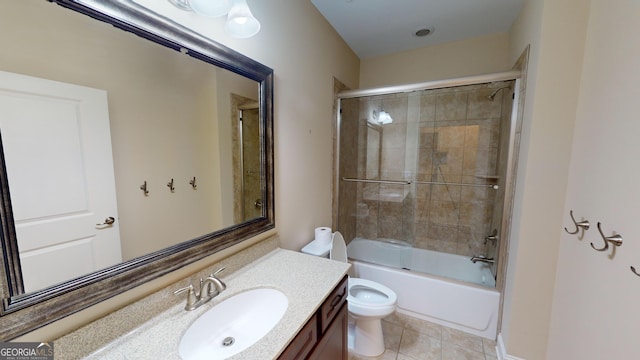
{"type": "Point", "coordinates": [170, 185]}
{"type": "Point", "coordinates": [579, 225]}
{"type": "Point", "coordinates": [192, 182]}
{"type": "Point", "coordinates": [616, 240]}
{"type": "Point", "coordinates": [634, 271]}
{"type": "Point", "coordinates": [143, 187]}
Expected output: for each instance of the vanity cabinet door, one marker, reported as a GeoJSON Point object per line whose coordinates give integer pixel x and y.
{"type": "Point", "coordinates": [325, 333]}
{"type": "Point", "coordinates": [333, 345]}
{"type": "Point", "coordinates": [303, 343]}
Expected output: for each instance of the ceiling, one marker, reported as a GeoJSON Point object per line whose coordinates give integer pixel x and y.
{"type": "Point", "coordinates": [379, 27]}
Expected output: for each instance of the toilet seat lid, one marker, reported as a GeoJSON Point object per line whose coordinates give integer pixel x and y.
{"type": "Point", "coordinates": [338, 250]}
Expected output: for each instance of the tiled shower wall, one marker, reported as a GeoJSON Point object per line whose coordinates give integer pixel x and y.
{"type": "Point", "coordinates": [448, 136]}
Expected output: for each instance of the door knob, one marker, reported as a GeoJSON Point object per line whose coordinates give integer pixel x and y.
{"type": "Point", "coordinates": [108, 221]}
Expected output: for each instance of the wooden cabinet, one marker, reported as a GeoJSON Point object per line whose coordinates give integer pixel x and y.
{"type": "Point", "coordinates": [333, 344]}
{"type": "Point", "coordinates": [303, 343]}
{"type": "Point", "coordinates": [324, 337]}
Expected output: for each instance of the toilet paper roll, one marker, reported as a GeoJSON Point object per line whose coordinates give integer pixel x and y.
{"type": "Point", "coordinates": [323, 235]}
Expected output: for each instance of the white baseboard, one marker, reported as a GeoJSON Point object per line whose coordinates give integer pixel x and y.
{"type": "Point", "coordinates": [502, 351]}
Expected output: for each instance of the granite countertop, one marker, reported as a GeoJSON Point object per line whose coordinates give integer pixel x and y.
{"type": "Point", "coordinates": [304, 279]}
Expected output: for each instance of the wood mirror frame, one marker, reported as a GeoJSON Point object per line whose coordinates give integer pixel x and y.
{"type": "Point", "coordinates": [21, 313]}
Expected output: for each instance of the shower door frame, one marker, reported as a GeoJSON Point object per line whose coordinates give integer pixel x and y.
{"type": "Point", "coordinates": [512, 154]}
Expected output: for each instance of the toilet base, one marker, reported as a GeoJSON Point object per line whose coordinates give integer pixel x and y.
{"type": "Point", "coordinates": [365, 337]}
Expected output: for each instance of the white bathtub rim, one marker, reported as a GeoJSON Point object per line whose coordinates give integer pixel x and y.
{"type": "Point", "coordinates": [433, 276]}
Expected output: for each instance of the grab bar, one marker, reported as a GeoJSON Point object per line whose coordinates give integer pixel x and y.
{"type": "Point", "coordinates": [399, 182]}
{"type": "Point", "coordinates": [409, 182]}
{"type": "Point", "coordinates": [494, 187]}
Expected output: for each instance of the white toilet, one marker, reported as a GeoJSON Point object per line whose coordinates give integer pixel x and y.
{"type": "Point", "coordinates": [368, 302]}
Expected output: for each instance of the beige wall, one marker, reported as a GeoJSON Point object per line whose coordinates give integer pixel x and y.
{"type": "Point", "coordinates": [556, 32]}
{"type": "Point", "coordinates": [595, 314]}
{"type": "Point", "coordinates": [480, 55]}
{"type": "Point", "coordinates": [306, 54]}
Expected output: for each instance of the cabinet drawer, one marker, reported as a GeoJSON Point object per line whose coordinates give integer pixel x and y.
{"type": "Point", "coordinates": [332, 305]}
{"type": "Point", "coordinates": [303, 343]}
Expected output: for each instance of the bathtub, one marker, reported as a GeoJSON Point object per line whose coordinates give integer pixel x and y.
{"type": "Point", "coordinates": [442, 288]}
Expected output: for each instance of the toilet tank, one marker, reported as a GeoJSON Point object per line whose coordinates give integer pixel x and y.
{"type": "Point", "coordinates": [316, 248]}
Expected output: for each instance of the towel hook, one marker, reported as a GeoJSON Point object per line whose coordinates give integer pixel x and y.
{"type": "Point", "coordinates": [143, 187]}
{"type": "Point", "coordinates": [192, 182]}
{"type": "Point", "coordinates": [170, 185]}
{"type": "Point", "coordinates": [634, 271]}
{"type": "Point", "coordinates": [579, 225]}
{"type": "Point", "coordinates": [616, 240]}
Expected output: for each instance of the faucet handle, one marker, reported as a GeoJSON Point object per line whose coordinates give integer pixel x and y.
{"type": "Point", "coordinates": [220, 284]}
{"type": "Point", "coordinates": [192, 298]}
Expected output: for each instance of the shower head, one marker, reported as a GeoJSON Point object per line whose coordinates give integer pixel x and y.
{"type": "Point", "coordinates": [493, 94]}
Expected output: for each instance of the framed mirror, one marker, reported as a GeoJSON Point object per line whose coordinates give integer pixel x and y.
{"type": "Point", "coordinates": [173, 130]}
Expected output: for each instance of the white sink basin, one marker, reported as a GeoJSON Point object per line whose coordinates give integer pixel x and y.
{"type": "Point", "coordinates": [233, 325]}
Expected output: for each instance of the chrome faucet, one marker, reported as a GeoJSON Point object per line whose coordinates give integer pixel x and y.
{"type": "Point", "coordinates": [482, 258]}
{"type": "Point", "coordinates": [210, 287]}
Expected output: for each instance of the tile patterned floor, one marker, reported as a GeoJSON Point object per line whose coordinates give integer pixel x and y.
{"type": "Point", "coordinates": [408, 338]}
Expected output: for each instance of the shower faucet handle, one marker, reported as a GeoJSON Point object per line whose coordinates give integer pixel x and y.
{"type": "Point", "coordinates": [493, 237]}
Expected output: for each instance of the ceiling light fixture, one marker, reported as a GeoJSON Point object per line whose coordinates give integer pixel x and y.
{"type": "Point", "coordinates": [240, 21]}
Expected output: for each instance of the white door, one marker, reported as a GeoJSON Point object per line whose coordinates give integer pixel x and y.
{"type": "Point", "coordinates": [57, 146]}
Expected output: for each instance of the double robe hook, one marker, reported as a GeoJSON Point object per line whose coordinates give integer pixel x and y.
{"type": "Point", "coordinates": [616, 240]}
{"type": "Point", "coordinates": [144, 189]}
{"type": "Point", "coordinates": [170, 185]}
{"type": "Point", "coordinates": [579, 225]}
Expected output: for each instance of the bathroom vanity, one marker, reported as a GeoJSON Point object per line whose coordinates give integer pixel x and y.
{"type": "Point", "coordinates": [314, 325]}
{"type": "Point", "coordinates": [325, 334]}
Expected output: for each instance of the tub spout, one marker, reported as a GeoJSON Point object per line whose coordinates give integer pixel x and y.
{"type": "Point", "coordinates": [482, 258]}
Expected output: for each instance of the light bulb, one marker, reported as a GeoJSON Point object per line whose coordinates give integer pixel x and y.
{"type": "Point", "coordinates": [240, 21]}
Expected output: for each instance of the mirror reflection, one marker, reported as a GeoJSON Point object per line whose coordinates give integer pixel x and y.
{"type": "Point", "coordinates": [115, 146]}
